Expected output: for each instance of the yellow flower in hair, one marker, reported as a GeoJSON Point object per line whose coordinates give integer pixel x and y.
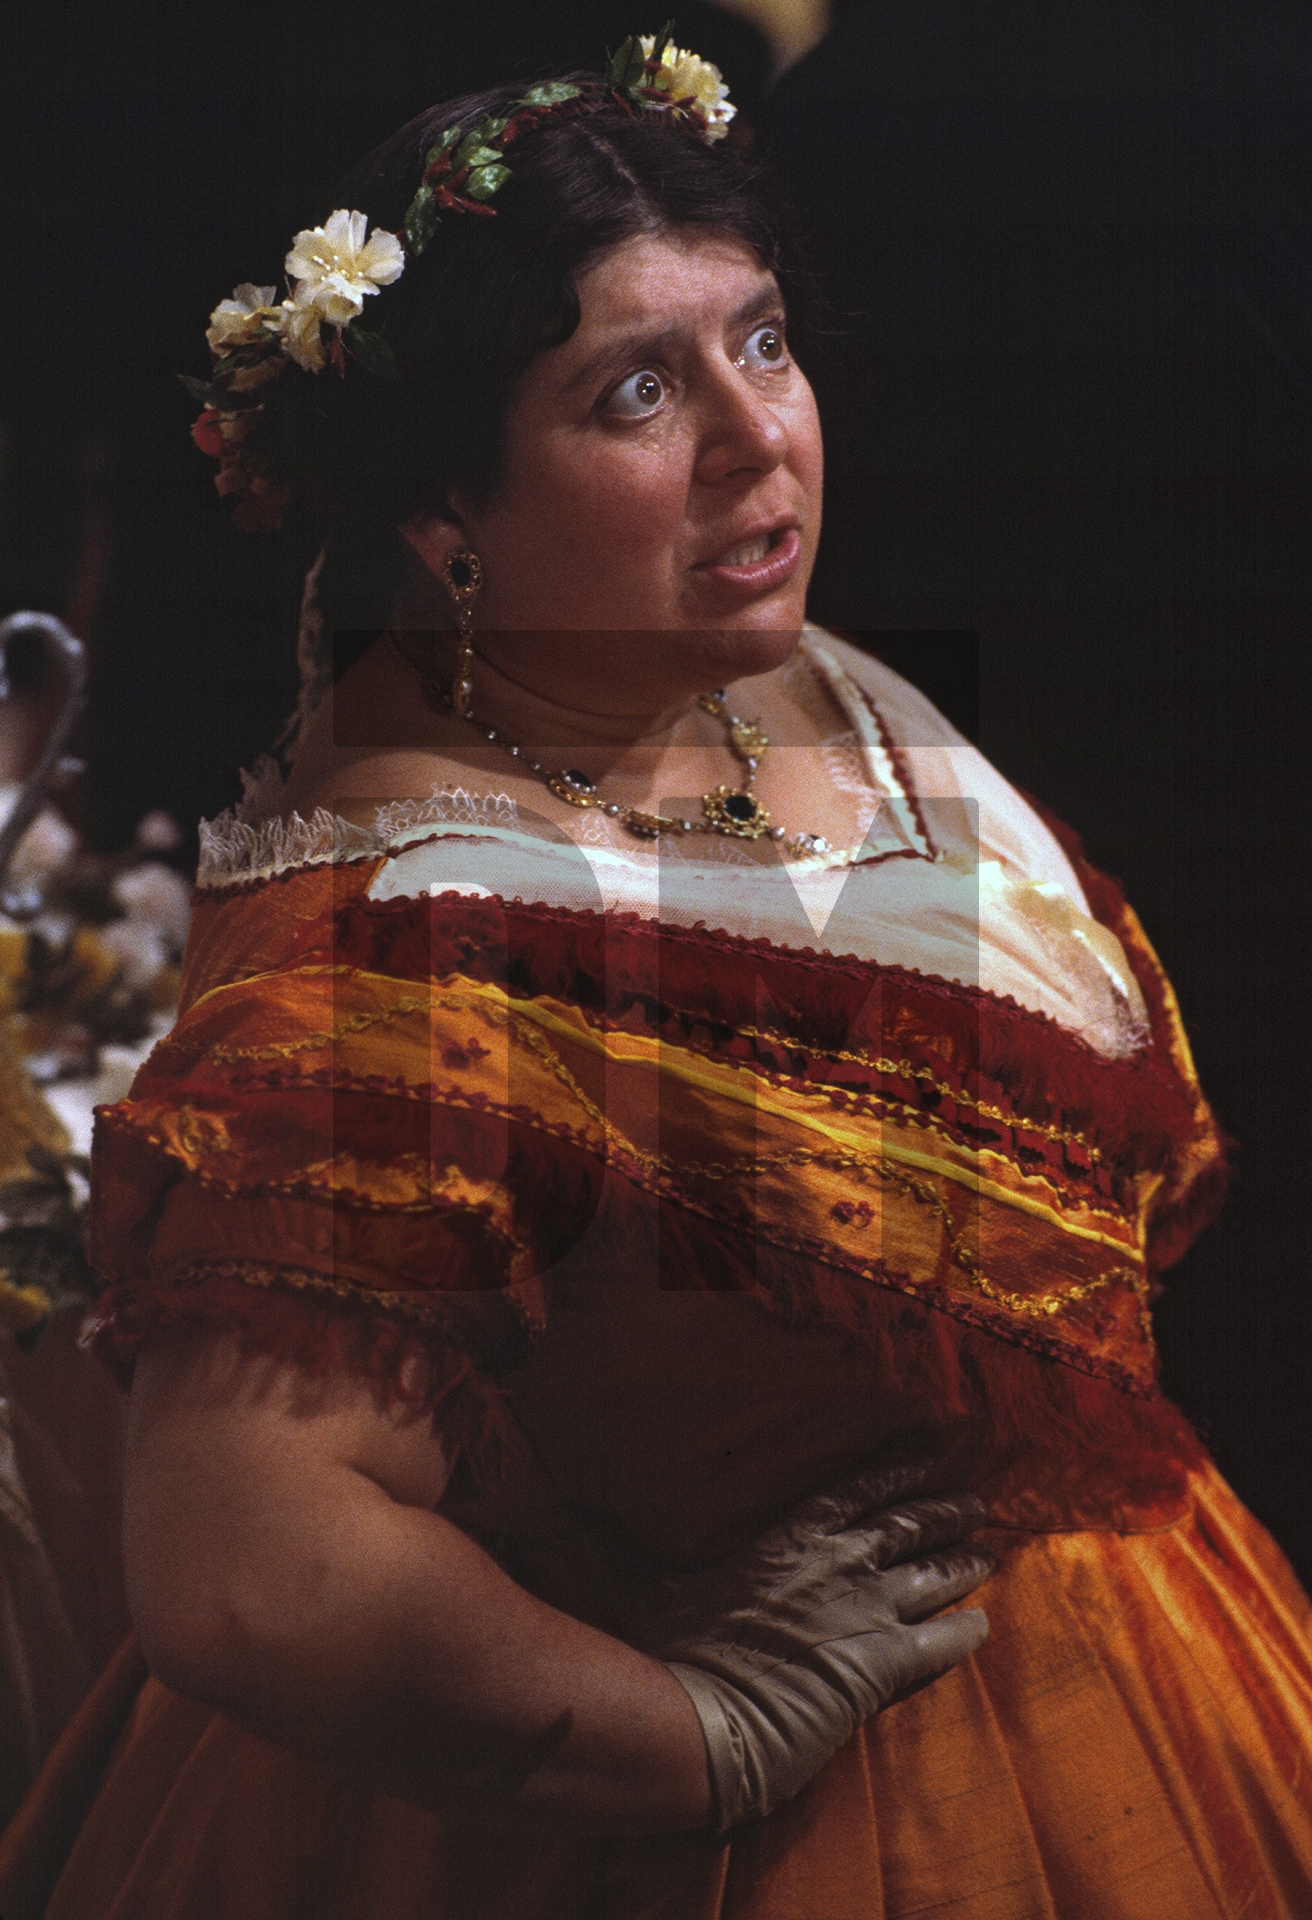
{"type": "Point", "coordinates": [687, 77]}
{"type": "Point", "coordinates": [301, 336]}
{"type": "Point", "coordinates": [335, 267]}
{"type": "Point", "coordinates": [244, 320]}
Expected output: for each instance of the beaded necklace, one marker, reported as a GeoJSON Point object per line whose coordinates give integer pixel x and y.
{"type": "Point", "coordinates": [731, 810]}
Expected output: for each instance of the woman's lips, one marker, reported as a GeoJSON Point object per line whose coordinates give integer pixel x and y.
{"type": "Point", "coordinates": [757, 576]}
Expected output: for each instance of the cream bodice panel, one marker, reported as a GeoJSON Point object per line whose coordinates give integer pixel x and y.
{"type": "Point", "coordinates": [956, 877]}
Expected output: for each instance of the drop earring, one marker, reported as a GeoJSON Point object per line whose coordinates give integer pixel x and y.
{"type": "Point", "coordinates": [462, 570]}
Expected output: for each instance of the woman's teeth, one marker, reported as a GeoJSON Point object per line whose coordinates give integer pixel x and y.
{"type": "Point", "coordinates": [749, 554]}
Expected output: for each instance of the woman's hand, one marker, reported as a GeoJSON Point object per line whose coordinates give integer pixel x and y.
{"type": "Point", "coordinates": [786, 1647]}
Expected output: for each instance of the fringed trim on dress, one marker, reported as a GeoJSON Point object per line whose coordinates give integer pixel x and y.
{"type": "Point", "coordinates": [1046, 1444]}
{"type": "Point", "coordinates": [414, 1347]}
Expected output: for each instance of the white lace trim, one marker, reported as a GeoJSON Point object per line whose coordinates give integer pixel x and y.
{"type": "Point", "coordinates": [256, 840]}
{"type": "Point", "coordinates": [235, 847]}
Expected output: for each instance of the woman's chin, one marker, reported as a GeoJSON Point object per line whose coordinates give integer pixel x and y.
{"type": "Point", "coordinates": [742, 651]}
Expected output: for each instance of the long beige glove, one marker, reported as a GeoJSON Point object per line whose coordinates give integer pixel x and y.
{"type": "Point", "coordinates": [786, 1647]}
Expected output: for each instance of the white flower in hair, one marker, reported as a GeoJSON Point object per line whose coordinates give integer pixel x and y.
{"type": "Point", "coordinates": [243, 320]}
{"type": "Point", "coordinates": [686, 76]}
{"type": "Point", "coordinates": [335, 267]}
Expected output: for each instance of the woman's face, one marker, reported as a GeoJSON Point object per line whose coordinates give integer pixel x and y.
{"type": "Point", "coordinates": [663, 466]}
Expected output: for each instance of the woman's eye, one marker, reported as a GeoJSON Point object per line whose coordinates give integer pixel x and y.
{"type": "Point", "coordinates": [766, 347]}
{"type": "Point", "coordinates": [641, 393]}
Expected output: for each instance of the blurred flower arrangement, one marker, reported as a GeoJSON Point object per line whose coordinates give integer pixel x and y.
{"type": "Point", "coordinates": [90, 947]}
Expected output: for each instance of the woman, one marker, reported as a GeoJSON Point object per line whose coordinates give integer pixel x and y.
{"type": "Point", "coordinates": [639, 1068]}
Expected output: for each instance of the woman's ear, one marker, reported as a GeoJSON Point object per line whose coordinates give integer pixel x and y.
{"type": "Point", "coordinates": [434, 536]}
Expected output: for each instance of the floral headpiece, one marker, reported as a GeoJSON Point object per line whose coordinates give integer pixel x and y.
{"type": "Point", "coordinates": [333, 269]}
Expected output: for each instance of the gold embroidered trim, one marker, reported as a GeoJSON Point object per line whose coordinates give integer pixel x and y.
{"type": "Point", "coordinates": [878, 1064]}
{"type": "Point", "coordinates": [526, 1019]}
{"type": "Point", "coordinates": [531, 1023]}
{"type": "Point", "coordinates": [434, 1309]}
{"type": "Point", "coordinates": [728, 1080]}
{"type": "Point", "coordinates": [1032, 1305]}
{"type": "Point", "coordinates": [285, 1050]}
{"type": "Point", "coordinates": [257, 1273]}
{"type": "Point", "coordinates": [771, 1036]}
{"type": "Point", "coordinates": [1035, 1305]}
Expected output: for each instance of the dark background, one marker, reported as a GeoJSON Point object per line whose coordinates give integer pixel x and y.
{"type": "Point", "coordinates": [1069, 253]}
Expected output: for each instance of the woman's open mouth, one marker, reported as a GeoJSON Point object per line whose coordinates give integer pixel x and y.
{"type": "Point", "coordinates": [754, 566]}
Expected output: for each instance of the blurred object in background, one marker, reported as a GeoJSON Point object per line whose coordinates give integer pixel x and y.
{"type": "Point", "coordinates": [790, 27]}
{"type": "Point", "coordinates": [31, 694]}
{"type": "Point", "coordinates": [89, 943]}
{"type": "Point", "coordinates": [92, 944]}
{"type": "Point", "coordinates": [89, 952]}
{"type": "Point", "coordinates": [43, 690]}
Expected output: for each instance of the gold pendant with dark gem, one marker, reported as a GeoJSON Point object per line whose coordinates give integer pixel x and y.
{"type": "Point", "coordinates": [731, 811]}
{"type": "Point", "coordinates": [574, 787]}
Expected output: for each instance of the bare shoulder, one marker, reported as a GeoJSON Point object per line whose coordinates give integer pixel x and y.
{"type": "Point", "coordinates": [356, 785]}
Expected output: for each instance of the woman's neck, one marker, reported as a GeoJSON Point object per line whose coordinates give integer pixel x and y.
{"type": "Point", "coordinates": [588, 719]}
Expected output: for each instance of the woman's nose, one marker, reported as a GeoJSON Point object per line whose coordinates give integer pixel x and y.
{"type": "Point", "coordinates": [743, 432]}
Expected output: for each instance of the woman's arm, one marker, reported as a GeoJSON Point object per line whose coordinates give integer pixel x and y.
{"type": "Point", "coordinates": [284, 1563]}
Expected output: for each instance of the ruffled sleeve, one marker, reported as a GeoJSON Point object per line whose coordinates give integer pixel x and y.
{"type": "Point", "coordinates": [321, 1156]}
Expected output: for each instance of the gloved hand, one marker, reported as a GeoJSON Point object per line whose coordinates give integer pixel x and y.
{"type": "Point", "coordinates": [787, 1646]}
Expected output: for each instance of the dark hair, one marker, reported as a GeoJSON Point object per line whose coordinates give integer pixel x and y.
{"type": "Point", "coordinates": [482, 301]}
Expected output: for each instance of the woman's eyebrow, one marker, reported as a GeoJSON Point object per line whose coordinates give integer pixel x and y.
{"type": "Point", "coordinates": [623, 351]}
{"type": "Point", "coordinates": [629, 348]}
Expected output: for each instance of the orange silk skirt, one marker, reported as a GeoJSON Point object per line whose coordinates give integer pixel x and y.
{"type": "Point", "coordinates": [1134, 1742]}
